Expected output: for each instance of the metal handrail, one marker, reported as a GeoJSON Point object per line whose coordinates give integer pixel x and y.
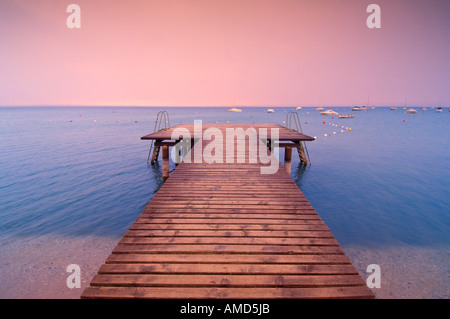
{"type": "Point", "coordinates": [296, 119]}
{"type": "Point", "coordinates": [160, 117]}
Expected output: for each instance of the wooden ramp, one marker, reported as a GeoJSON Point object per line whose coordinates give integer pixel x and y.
{"type": "Point", "coordinates": [228, 231]}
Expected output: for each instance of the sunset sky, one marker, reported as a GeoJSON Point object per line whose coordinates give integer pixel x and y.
{"type": "Point", "coordinates": [224, 53]}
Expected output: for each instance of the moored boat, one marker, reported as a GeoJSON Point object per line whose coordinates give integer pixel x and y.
{"type": "Point", "coordinates": [270, 111]}
{"type": "Point", "coordinates": [411, 111]}
{"type": "Point", "coordinates": [348, 116]}
{"type": "Point", "coordinates": [329, 112]}
{"type": "Point", "coordinates": [234, 109]}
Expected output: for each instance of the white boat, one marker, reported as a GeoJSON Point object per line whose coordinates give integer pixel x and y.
{"type": "Point", "coordinates": [423, 108]}
{"type": "Point", "coordinates": [356, 108]}
{"type": "Point", "coordinates": [329, 112]}
{"type": "Point", "coordinates": [393, 108]}
{"type": "Point", "coordinates": [298, 108]}
{"type": "Point", "coordinates": [439, 109]}
{"type": "Point", "coordinates": [270, 111]}
{"type": "Point", "coordinates": [320, 109]}
{"type": "Point", "coordinates": [343, 116]}
{"type": "Point", "coordinates": [234, 109]}
{"type": "Point", "coordinates": [411, 111]}
{"type": "Point", "coordinates": [406, 104]}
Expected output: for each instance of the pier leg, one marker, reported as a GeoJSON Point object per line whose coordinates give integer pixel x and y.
{"type": "Point", "coordinates": [301, 153]}
{"type": "Point", "coordinates": [165, 160]}
{"type": "Point", "coordinates": [287, 159]}
{"type": "Point", "coordinates": [269, 145]}
{"type": "Point", "coordinates": [155, 154]}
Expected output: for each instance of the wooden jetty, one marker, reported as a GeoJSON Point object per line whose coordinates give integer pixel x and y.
{"type": "Point", "coordinates": [224, 230]}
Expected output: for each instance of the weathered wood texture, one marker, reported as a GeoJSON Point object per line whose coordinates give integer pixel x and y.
{"type": "Point", "coordinates": [285, 134]}
{"type": "Point", "coordinates": [228, 231]}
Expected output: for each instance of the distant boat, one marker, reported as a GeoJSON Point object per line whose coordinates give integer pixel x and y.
{"type": "Point", "coordinates": [423, 108]}
{"type": "Point", "coordinates": [329, 112]}
{"type": "Point", "coordinates": [356, 108]}
{"type": "Point", "coordinates": [320, 109]}
{"type": "Point", "coordinates": [234, 109]}
{"type": "Point", "coordinates": [439, 109]}
{"type": "Point", "coordinates": [270, 111]}
{"type": "Point", "coordinates": [393, 108]}
{"type": "Point", "coordinates": [298, 108]}
{"type": "Point", "coordinates": [349, 116]}
{"type": "Point", "coordinates": [411, 111]}
{"type": "Point", "coordinates": [406, 104]}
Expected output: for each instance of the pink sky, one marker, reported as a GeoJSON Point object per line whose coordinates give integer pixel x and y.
{"type": "Point", "coordinates": [224, 52]}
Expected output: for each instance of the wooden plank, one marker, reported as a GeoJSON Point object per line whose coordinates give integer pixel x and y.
{"type": "Point", "coordinates": [228, 233]}
{"type": "Point", "coordinates": [308, 220]}
{"type": "Point", "coordinates": [284, 134]}
{"type": "Point", "coordinates": [232, 293]}
{"type": "Point", "coordinates": [228, 241]}
{"type": "Point", "coordinates": [196, 194]}
{"type": "Point", "coordinates": [227, 269]}
{"type": "Point", "coordinates": [226, 202]}
{"type": "Point", "coordinates": [231, 213]}
{"type": "Point", "coordinates": [227, 259]}
{"type": "Point", "coordinates": [246, 227]}
{"type": "Point", "coordinates": [183, 207]}
{"type": "Point", "coordinates": [228, 218]}
{"type": "Point", "coordinates": [229, 249]}
{"type": "Point", "coordinates": [253, 281]}
{"type": "Point", "coordinates": [255, 215]}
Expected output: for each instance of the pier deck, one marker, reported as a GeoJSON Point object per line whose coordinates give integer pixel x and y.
{"type": "Point", "coordinates": [225, 230]}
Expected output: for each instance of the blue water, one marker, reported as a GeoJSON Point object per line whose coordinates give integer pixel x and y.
{"type": "Point", "coordinates": [82, 171]}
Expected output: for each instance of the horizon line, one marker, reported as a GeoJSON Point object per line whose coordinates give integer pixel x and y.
{"type": "Point", "coordinates": [221, 106]}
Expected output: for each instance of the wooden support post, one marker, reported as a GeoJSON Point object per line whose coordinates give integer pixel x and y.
{"type": "Point", "coordinates": [155, 154]}
{"type": "Point", "coordinates": [191, 152]}
{"type": "Point", "coordinates": [165, 160]}
{"type": "Point", "coordinates": [301, 153]}
{"type": "Point", "coordinates": [287, 159]}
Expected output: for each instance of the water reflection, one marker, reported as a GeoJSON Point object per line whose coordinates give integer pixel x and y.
{"type": "Point", "coordinates": [155, 173]}
{"type": "Point", "coordinates": [300, 173]}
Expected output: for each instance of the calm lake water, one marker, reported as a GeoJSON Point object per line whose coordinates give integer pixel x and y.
{"type": "Point", "coordinates": [80, 172]}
